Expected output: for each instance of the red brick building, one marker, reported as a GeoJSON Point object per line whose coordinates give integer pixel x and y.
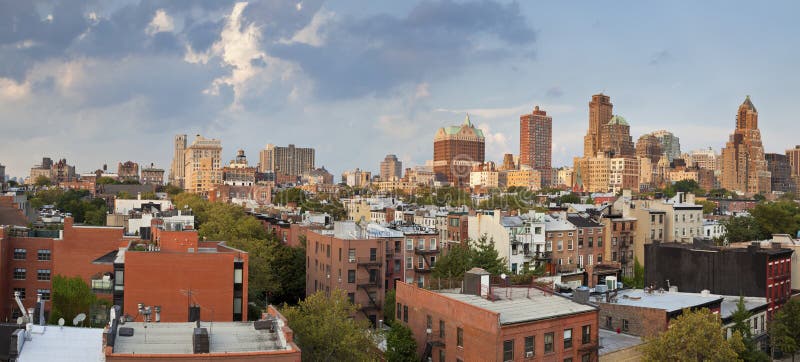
{"type": "Point", "coordinates": [536, 143]}
{"type": "Point", "coordinates": [489, 323]}
{"type": "Point", "coordinates": [456, 149]}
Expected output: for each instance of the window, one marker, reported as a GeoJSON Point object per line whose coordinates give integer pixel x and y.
{"type": "Point", "coordinates": [43, 274]}
{"type": "Point", "coordinates": [45, 293]}
{"type": "Point", "coordinates": [568, 338]}
{"type": "Point", "coordinates": [409, 263]}
{"type": "Point", "coordinates": [530, 343]}
{"type": "Point", "coordinates": [586, 357]}
{"type": "Point", "coordinates": [608, 322]}
{"type": "Point", "coordinates": [624, 325]}
{"type": "Point", "coordinates": [569, 244]}
{"type": "Point", "coordinates": [599, 241]}
{"type": "Point", "coordinates": [351, 255]}
{"type": "Point", "coordinates": [459, 337]}
{"type": "Point", "coordinates": [441, 355]}
{"type": "Point", "coordinates": [373, 254]}
{"type": "Point", "coordinates": [560, 244]}
{"type": "Point", "coordinates": [421, 244]}
{"type": "Point", "coordinates": [429, 322]}
{"type": "Point", "coordinates": [599, 258]}
{"type": "Point", "coordinates": [420, 262]}
{"type": "Point", "coordinates": [568, 359]}
{"type": "Point", "coordinates": [19, 273]}
{"type": "Point", "coordinates": [351, 276]}
{"type": "Point", "coordinates": [405, 313]}
{"type": "Point", "coordinates": [21, 292]}
{"type": "Point", "coordinates": [508, 350]}
{"type": "Point", "coordinates": [399, 311]}
{"type": "Point", "coordinates": [409, 244]}
{"type": "Point", "coordinates": [586, 337]}
{"type": "Point", "coordinates": [548, 342]}
{"type": "Point", "coordinates": [20, 254]}
{"type": "Point", "coordinates": [433, 244]}
{"type": "Point", "coordinates": [43, 254]}
{"type": "Point", "coordinates": [441, 328]}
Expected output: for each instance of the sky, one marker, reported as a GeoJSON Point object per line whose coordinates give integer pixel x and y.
{"type": "Point", "coordinates": [103, 82]}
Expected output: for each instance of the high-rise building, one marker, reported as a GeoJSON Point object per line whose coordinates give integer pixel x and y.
{"type": "Point", "coordinates": [456, 149]}
{"type": "Point", "coordinates": [202, 165]}
{"type": "Point", "coordinates": [508, 162]}
{"type": "Point", "coordinates": [286, 161]}
{"type": "Point", "coordinates": [176, 170]}
{"type": "Point", "coordinates": [780, 172]}
{"type": "Point", "coordinates": [670, 145]}
{"type": "Point", "coordinates": [648, 146]}
{"type": "Point", "coordinates": [793, 156]}
{"type": "Point", "coordinates": [391, 168]}
{"type": "Point", "coordinates": [238, 172]}
{"type": "Point", "coordinates": [705, 159]}
{"type": "Point", "coordinates": [128, 171]}
{"type": "Point", "coordinates": [744, 167]}
{"type": "Point", "coordinates": [600, 113]}
{"type": "Point", "coordinates": [536, 143]}
{"type": "Point", "coordinates": [616, 138]}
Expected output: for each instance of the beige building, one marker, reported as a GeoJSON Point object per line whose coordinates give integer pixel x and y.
{"type": "Point", "coordinates": [705, 159]}
{"type": "Point", "coordinates": [526, 177]}
{"type": "Point", "coordinates": [202, 168]}
{"type": "Point", "coordinates": [289, 161]}
{"type": "Point", "coordinates": [624, 174]}
{"type": "Point", "coordinates": [391, 168]}
{"type": "Point", "coordinates": [564, 176]}
{"type": "Point", "coordinates": [744, 168]}
{"type": "Point", "coordinates": [487, 179]}
{"type": "Point", "coordinates": [178, 167]}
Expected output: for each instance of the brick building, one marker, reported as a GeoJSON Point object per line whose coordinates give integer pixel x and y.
{"type": "Point", "coordinates": [780, 172]}
{"type": "Point", "coordinates": [456, 149]}
{"type": "Point", "coordinates": [152, 175]}
{"type": "Point", "coordinates": [484, 322]}
{"type": "Point", "coordinates": [744, 167]}
{"type": "Point", "coordinates": [536, 143]}
{"type": "Point", "coordinates": [128, 171]}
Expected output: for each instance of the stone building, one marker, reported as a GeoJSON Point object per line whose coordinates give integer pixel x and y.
{"type": "Point", "coordinates": [456, 149]}
{"type": "Point", "coordinates": [744, 168]}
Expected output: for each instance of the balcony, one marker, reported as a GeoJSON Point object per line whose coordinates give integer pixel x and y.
{"type": "Point", "coordinates": [423, 251]}
{"type": "Point", "coordinates": [376, 262]}
{"type": "Point", "coordinates": [370, 306]}
{"type": "Point", "coordinates": [423, 270]}
{"type": "Point", "coordinates": [102, 286]}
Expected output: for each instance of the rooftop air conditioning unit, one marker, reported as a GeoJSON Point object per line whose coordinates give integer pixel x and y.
{"type": "Point", "coordinates": [528, 354]}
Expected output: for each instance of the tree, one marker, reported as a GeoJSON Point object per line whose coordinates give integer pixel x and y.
{"type": "Point", "coordinates": [105, 180]}
{"type": "Point", "coordinates": [70, 297]}
{"type": "Point", "coordinates": [400, 344]}
{"type": "Point", "coordinates": [570, 198]}
{"type": "Point", "coordinates": [784, 330]}
{"type": "Point", "coordinates": [124, 195]}
{"type": "Point", "coordinates": [325, 330]}
{"type": "Point", "coordinates": [693, 336]}
{"type": "Point", "coordinates": [289, 267]}
{"type": "Point", "coordinates": [453, 263]}
{"type": "Point", "coordinates": [708, 206]}
{"type": "Point", "coordinates": [741, 325]}
{"type": "Point", "coordinates": [741, 228]}
{"type": "Point", "coordinates": [638, 276]}
{"type": "Point", "coordinates": [172, 190]}
{"type": "Point", "coordinates": [780, 217]}
{"type": "Point", "coordinates": [149, 195]}
{"type": "Point", "coordinates": [486, 256]}
{"type": "Point", "coordinates": [41, 181]}
{"type": "Point", "coordinates": [389, 307]}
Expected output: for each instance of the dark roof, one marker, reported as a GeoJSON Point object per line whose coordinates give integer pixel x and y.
{"type": "Point", "coordinates": [12, 216]}
{"type": "Point", "coordinates": [583, 222]}
{"type": "Point", "coordinates": [704, 245]}
{"type": "Point", "coordinates": [107, 259]}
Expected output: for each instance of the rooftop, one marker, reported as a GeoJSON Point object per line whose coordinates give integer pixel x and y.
{"type": "Point", "coordinates": [521, 304]}
{"type": "Point", "coordinates": [611, 342]}
{"type": "Point", "coordinates": [52, 343]}
{"type": "Point", "coordinates": [668, 301]}
{"type": "Point", "coordinates": [176, 338]}
{"type": "Point", "coordinates": [729, 304]}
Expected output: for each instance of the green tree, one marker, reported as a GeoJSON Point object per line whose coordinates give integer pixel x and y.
{"type": "Point", "coordinates": [325, 330]}
{"type": "Point", "coordinates": [486, 256]}
{"type": "Point", "coordinates": [741, 228]}
{"type": "Point", "coordinates": [784, 330]}
{"type": "Point", "coordinates": [105, 180]}
{"type": "Point", "coordinates": [389, 307]}
{"type": "Point", "coordinates": [453, 263]}
{"type": "Point", "coordinates": [149, 195]}
{"type": "Point", "coordinates": [780, 217]}
{"type": "Point", "coordinates": [400, 344]}
{"type": "Point", "coordinates": [172, 190]}
{"type": "Point", "coordinates": [687, 186]}
{"type": "Point", "coordinates": [41, 181]}
{"type": "Point", "coordinates": [741, 325]}
{"type": "Point", "coordinates": [125, 195]}
{"type": "Point", "coordinates": [693, 336]}
{"type": "Point", "coordinates": [70, 297]}
{"type": "Point", "coordinates": [571, 198]}
{"type": "Point", "coordinates": [289, 267]}
{"type": "Point", "coordinates": [708, 206]}
{"type": "Point", "coordinates": [637, 281]}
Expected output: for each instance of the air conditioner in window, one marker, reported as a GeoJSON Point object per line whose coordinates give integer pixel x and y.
{"type": "Point", "coordinates": [352, 260]}
{"type": "Point", "coordinates": [528, 354]}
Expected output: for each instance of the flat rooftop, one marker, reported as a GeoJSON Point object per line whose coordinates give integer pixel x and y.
{"type": "Point", "coordinates": [611, 342]}
{"type": "Point", "coordinates": [668, 301]}
{"type": "Point", "coordinates": [729, 304]}
{"type": "Point", "coordinates": [54, 343]}
{"type": "Point", "coordinates": [521, 304]}
{"type": "Point", "coordinates": [176, 338]}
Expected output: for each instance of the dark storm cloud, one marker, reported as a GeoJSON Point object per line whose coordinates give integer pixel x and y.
{"type": "Point", "coordinates": [434, 40]}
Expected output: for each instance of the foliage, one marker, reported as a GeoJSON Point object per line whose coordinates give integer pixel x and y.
{"type": "Point", "coordinates": [740, 317]}
{"type": "Point", "coordinates": [149, 195]}
{"type": "Point", "coordinates": [722, 193]}
{"type": "Point", "coordinates": [42, 180]}
{"type": "Point", "coordinates": [443, 196]}
{"type": "Point", "coordinates": [784, 330]}
{"type": "Point", "coordinates": [105, 180]}
{"type": "Point", "coordinates": [389, 307]}
{"type": "Point", "coordinates": [70, 297]}
{"type": "Point", "coordinates": [79, 203]}
{"type": "Point", "coordinates": [516, 201]}
{"type": "Point", "coordinates": [637, 281]}
{"type": "Point", "coordinates": [571, 198]}
{"type": "Point", "coordinates": [475, 254]}
{"type": "Point", "coordinates": [324, 330]}
{"type": "Point", "coordinates": [289, 267]}
{"type": "Point", "coordinates": [780, 217]}
{"type": "Point", "coordinates": [693, 336]}
{"type": "Point", "coordinates": [741, 228]}
{"type": "Point", "coordinates": [400, 344]}
{"type": "Point", "coordinates": [291, 195]}
{"type": "Point", "coordinates": [125, 195]}
{"type": "Point", "coordinates": [708, 206]}
{"type": "Point", "coordinates": [172, 190]}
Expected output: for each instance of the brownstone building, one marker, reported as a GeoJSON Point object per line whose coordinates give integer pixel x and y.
{"type": "Point", "coordinates": [485, 322]}
{"type": "Point", "coordinates": [744, 167]}
{"type": "Point", "coordinates": [600, 113]}
{"type": "Point", "coordinates": [648, 146]}
{"type": "Point", "coordinates": [616, 138]}
{"type": "Point", "coordinates": [456, 149]}
{"type": "Point", "coordinates": [128, 171]}
{"type": "Point", "coordinates": [536, 143]}
{"type": "Point", "coordinates": [152, 175]}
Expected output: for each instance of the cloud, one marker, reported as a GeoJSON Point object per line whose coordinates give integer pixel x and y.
{"type": "Point", "coordinates": [554, 92]}
{"type": "Point", "coordinates": [660, 57]}
{"type": "Point", "coordinates": [161, 22]}
{"type": "Point", "coordinates": [311, 34]}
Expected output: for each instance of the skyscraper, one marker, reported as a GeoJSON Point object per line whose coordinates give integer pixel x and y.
{"type": "Point", "coordinates": [536, 143]}
{"type": "Point", "coordinates": [600, 113]}
{"type": "Point", "coordinates": [780, 172]}
{"type": "Point", "coordinates": [744, 167]}
{"type": "Point", "coordinates": [794, 160]}
{"type": "Point", "coordinates": [391, 168]}
{"type": "Point", "coordinates": [670, 145]}
{"type": "Point", "coordinates": [176, 170]}
{"type": "Point", "coordinates": [616, 138]}
{"type": "Point", "coordinates": [455, 150]}
{"type": "Point", "coordinates": [648, 146]}
{"type": "Point", "coordinates": [286, 161]}
{"type": "Point", "coordinates": [202, 165]}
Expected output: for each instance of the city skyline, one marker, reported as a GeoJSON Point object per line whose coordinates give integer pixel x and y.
{"type": "Point", "coordinates": [61, 73]}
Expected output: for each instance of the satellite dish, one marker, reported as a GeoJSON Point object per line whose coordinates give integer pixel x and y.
{"type": "Point", "coordinates": [61, 322]}
{"type": "Point", "coordinates": [503, 276]}
{"type": "Point", "coordinates": [78, 318]}
{"type": "Point", "coordinates": [20, 320]}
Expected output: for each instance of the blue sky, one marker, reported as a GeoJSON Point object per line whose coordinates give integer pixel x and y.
{"type": "Point", "coordinates": [102, 83]}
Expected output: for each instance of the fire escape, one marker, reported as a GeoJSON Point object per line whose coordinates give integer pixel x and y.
{"type": "Point", "coordinates": [434, 339]}
{"type": "Point", "coordinates": [428, 267]}
{"type": "Point", "coordinates": [372, 285]}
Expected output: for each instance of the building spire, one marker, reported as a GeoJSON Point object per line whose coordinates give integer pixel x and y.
{"type": "Point", "coordinates": [467, 121]}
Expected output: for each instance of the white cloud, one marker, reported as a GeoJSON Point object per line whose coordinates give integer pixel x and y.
{"type": "Point", "coordinates": [422, 91]}
{"type": "Point", "coordinates": [12, 90]}
{"type": "Point", "coordinates": [299, 6]}
{"type": "Point", "coordinates": [513, 111]}
{"type": "Point", "coordinates": [311, 34]}
{"type": "Point", "coordinates": [161, 23]}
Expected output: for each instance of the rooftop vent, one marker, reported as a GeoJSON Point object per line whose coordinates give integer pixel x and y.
{"type": "Point", "coordinates": [200, 341]}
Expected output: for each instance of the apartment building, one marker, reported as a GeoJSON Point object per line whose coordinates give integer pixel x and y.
{"type": "Point", "coordinates": [520, 240]}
